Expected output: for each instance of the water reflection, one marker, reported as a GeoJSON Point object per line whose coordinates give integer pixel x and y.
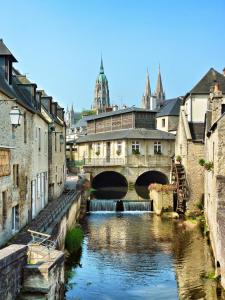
{"type": "Point", "coordinates": [140, 256]}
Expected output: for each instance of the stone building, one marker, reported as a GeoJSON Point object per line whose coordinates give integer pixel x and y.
{"type": "Point", "coordinates": [101, 95]}
{"type": "Point", "coordinates": [190, 133]}
{"type": "Point", "coordinates": [24, 149]}
{"type": "Point", "coordinates": [214, 185]}
{"type": "Point", "coordinates": [127, 142]}
{"type": "Point", "coordinates": [168, 116]}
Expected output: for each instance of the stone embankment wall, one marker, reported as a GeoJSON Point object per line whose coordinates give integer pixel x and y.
{"type": "Point", "coordinates": [56, 219]}
{"type": "Point", "coordinates": [12, 260]}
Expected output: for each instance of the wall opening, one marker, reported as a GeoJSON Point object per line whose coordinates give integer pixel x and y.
{"type": "Point", "coordinates": [143, 181]}
{"type": "Point", "coordinates": [109, 185]}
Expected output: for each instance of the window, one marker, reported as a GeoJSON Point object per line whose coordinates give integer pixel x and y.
{"type": "Point", "coordinates": [55, 142]}
{"type": "Point", "coordinates": [222, 109]}
{"type": "Point", "coordinates": [15, 175]}
{"type": "Point", "coordinates": [135, 147]}
{"type": "Point", "coordinates": [15, 218]}
{"type": "Point", "coordinates": [4, 162]}
{"type": "Point", "coordinates": [157, 148]}
{"type": "Point", "coordinates": [25, 127]}
{"type": "Point", "coordinates": [119, 147]}
{"type": "Point", "coordinates": [4, 209]}
{"type": "Point", "coordinates": [163, 122]}
{"type": "Point", "coordinates": [98, 148]}
{"type": "Point", "coordinates": [39, 139]}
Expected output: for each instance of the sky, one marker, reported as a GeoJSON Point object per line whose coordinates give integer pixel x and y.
{"type": "Point", "coordinates": [58, 45]}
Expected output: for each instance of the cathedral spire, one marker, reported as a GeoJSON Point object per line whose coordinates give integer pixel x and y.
{"type": "Point", "coordinates": [159, 93]}
{"type": "Point", "coordinates": [101, 67]}
{"type": "Point", "coordinates": [147, 93]}
{"type": "Point", "coordinates": [101, 96]}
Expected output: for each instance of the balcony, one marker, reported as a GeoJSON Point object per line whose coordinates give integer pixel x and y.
{"type": "Point", "coordinates": [133, 160]}
{"type": "Point", "coordinates": [104, 161]}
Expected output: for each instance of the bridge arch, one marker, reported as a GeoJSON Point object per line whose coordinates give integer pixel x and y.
{"type": "Point", "coordinates": [146, 178]}
{"type": "Point", "coordinates": [109, 185]}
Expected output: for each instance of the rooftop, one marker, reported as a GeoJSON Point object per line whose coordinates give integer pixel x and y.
{"type": "Point", "coordinates": [208, 80]}
{"type": "Point", "coordinates": [170, 108]}
{"type": "Point", "coordinates": [144, 134]}
{"type": "Point", "coordinates": [118, 112]}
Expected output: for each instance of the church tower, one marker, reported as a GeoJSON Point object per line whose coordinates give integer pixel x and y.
{"type": "Point", "coordinates": [159, 93]}
{"type": "Point", "coordinates": [147, 94]}
{"type": "Point", "coordinates": [101, 96]}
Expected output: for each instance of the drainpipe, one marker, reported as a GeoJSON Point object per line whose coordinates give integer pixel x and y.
{"type": "Point", "coordinates": [191, 107]}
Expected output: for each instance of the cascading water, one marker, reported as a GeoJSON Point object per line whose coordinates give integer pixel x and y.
{"type": "Point", "coordinates": [102, 205]}
{"type": "Point", "coordinates": [111, 205]}
{"type": "Point", "coordinates": [137, 205]}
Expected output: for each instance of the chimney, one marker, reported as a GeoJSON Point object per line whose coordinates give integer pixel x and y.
{"type": "Point", "coordinates": [216, 87]}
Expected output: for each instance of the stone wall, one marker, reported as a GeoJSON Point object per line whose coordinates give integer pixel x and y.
{"type": "Point", "coordinates": [195, 174]}
{"type": "Point", "coordinates": [161, 201]}
{"type": "Point", "coordinates": [12, 260]}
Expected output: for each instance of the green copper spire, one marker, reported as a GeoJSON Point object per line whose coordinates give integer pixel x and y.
{"type": "Point", "coordinates": [101, 67]}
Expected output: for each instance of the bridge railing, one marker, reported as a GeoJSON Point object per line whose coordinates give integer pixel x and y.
{"type": "Point", "coordinates": [133, 160]}
{"type": "Point", "coordinates": [104, 161]}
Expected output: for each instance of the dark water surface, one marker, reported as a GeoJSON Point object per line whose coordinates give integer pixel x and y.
{"type": "Point", "coordinates": [128, 256]}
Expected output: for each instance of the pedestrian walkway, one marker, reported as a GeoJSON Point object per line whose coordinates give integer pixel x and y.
{"type": "Point", "coordinates": [50, 213]}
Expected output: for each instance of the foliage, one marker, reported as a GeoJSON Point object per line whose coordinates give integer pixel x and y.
{"type": "Point", "coordinates": [88, 112]}
{"type": "Point", "coordinates": [161, 187]}
{"type": "Point", "coordinates": [208, 166]}
{"type": "Point", "coordinates": [201, 162]}
{"type": "Point", "coordinates": [178, 158]}
{"type": "Point", "coordinates": [136, 151]}
{"type": "Point", "coordinates": [74, 239]}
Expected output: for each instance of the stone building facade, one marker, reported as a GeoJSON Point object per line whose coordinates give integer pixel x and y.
{"type": "Point", "coordinates": [24, 150]}
{"type": "Point", "coordinates": [190, 133]}
{"type": "Point", "coordinates": [214, 185]}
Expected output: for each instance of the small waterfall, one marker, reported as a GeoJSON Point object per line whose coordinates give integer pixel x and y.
{"type": "Point", "coordinates": [137, 205]}
{"type": "Point", "coordinates": [110, 205]}
{"type": "Point", "coordinates": [102, 205]}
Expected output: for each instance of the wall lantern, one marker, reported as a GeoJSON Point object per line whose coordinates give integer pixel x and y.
{"type": "Point", "coordinates": [15, 116]}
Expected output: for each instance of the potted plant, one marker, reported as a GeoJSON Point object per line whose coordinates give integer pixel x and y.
{"type": "Point", "coordinates": [135, 151]}
{"type": "Point", "coordinates": [118, 152]}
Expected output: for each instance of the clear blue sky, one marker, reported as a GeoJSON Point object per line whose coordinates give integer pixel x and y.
{"type": "Point", "coordinates": [59, 44]}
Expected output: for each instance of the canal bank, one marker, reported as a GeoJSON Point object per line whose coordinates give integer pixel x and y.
{"type": "Point", "coordinates": [38, 270]}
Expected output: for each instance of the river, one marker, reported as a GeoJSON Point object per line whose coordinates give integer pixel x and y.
{"type": "Point", "coordinates": [129, 256]}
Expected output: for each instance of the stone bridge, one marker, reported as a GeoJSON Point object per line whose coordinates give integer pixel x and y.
{"type": "Point", "coordinates": [126, 181]}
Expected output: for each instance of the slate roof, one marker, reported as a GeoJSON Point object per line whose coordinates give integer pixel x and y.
{"type": "Point", "coordinates": [170, 108]}
{"type": "Point", "coordinates": [197, 131]}
{"type": "Point", "coordinates": [82, 122]}
{"type": "Point", "coordinates": [207, 81]}
{"type": "Point", "coordinates": [120, 111]}
{"type": "Point", "coordinates": [4, 51]}
{"type": "Point", "coordinates": [144, 134]}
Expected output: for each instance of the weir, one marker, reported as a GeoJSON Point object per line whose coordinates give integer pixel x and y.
{"type": "Point", "coordinates": [111, 205]}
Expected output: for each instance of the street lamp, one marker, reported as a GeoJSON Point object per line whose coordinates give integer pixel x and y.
{"type": "Point", "coordinates": [15, 116]}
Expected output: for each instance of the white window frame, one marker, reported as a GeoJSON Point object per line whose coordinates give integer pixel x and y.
{"type": "Point", "coordinates": [157, 147]}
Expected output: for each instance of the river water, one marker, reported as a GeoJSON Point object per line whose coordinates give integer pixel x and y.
{"type": "Point", "coordinates": [129, 256]}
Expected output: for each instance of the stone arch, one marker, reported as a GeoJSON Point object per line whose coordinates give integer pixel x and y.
{"type": "Point", "coordinates": [109, 185]}
{"type": "Point", "coordinates": [146, 178]}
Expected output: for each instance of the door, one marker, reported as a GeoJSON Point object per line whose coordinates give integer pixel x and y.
{"type": "Point", "coordinates": [108, 152]}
